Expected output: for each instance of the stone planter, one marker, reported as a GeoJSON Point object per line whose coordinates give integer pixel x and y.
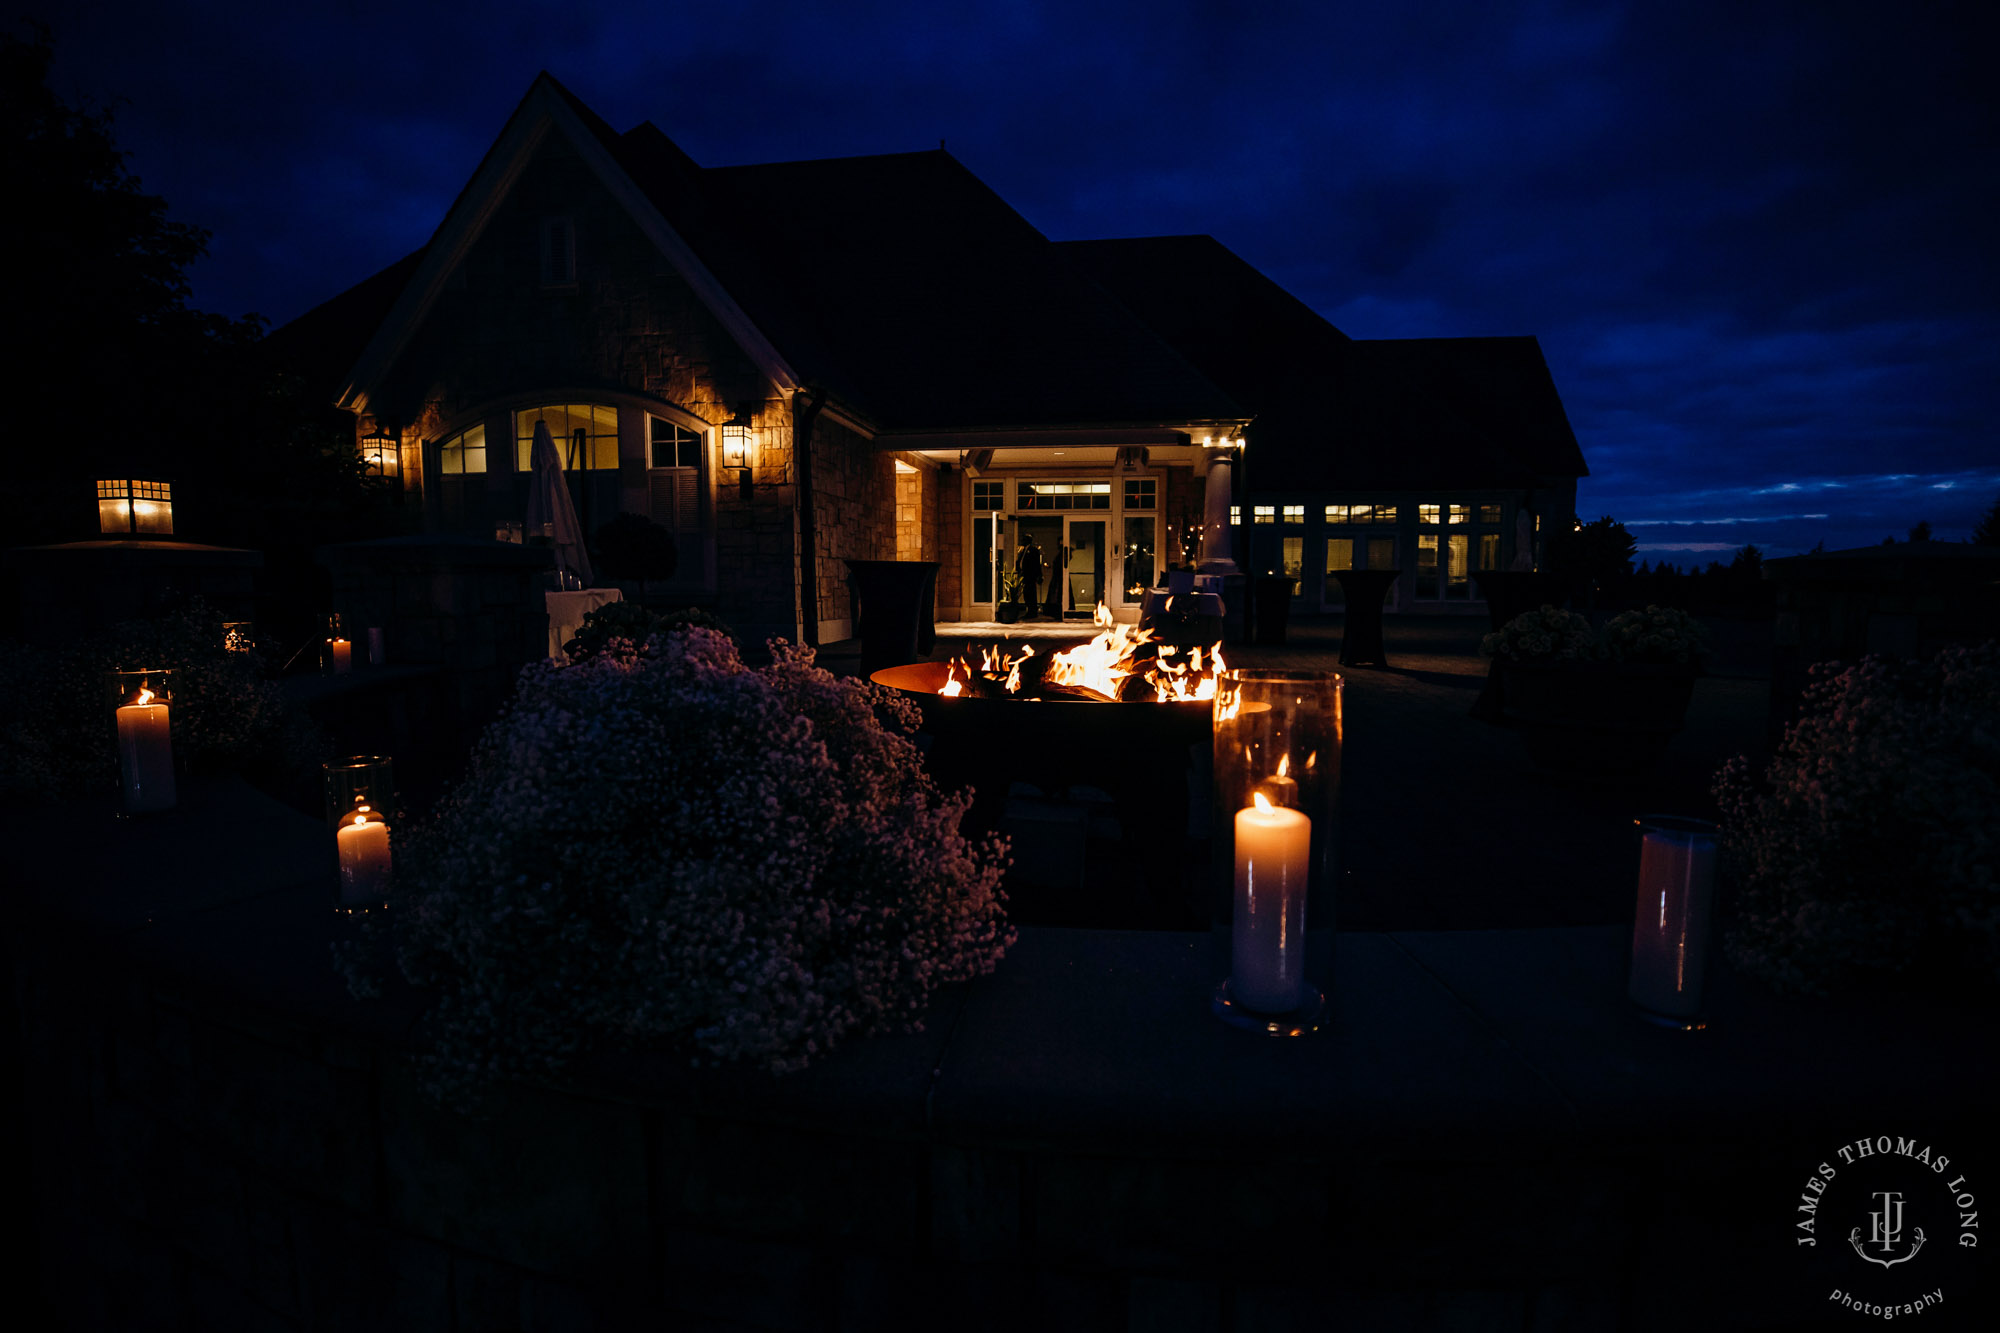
{"type": "Point", "coordinates": [1596, 718]}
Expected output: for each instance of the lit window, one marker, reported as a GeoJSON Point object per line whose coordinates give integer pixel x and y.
{"type": "Point", "coordinates": [1062, 495]}
{"type": "Point", "coordinates": [136, 506]}
{"type": "Point", "coordinates": [1294, 557]}
{"type": "Point", "coordinates": [1141, 492]}
{"type": "Point", "coordinates": [1336, 513]}
{"type": "Point", "coordinates": [585, 434]}
{"type": "Point", "coordinates": [558, 252]}
{"type": "Point", "coordinates": [1427, 566]}
{"type": "Point", "coordinates": [1295, 514]}
{"type": "Point", "coordinates": [1263, 513]}
{"type": "Point", "coordinates": [988, 496]}
{"type": "Point", "coordinates": [1489, 513]}
{"type": "Point", "coordinates": [1428, 513]}
{"type": "Point", "coordinates": [1460, 513]}
{"type": "Point", "coordinates": [463, 452]}
{"type": "Point", "coordinates": [1489, 550]}
{"type": "Point", "coordinates": [1385, 513]}
{"type": "Point", "coordinates": [673, 445]}
{"type": "Point", "coordinates": [1235, 515]}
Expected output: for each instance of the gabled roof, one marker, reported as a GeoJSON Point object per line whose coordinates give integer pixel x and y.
{"type": "Point", "coordinates": [948, 308]}
{"type": "Point", "coordinates": [1333, 411]}
{"type": "Point", "coordinates": [901, 284]}
{"type": "Point", "coordinates": [322, 343]}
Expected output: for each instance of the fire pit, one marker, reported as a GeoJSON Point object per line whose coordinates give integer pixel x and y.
{"type": "Point", "coordinates": [1118, 713]}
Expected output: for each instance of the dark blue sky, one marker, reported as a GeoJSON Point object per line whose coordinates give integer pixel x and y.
{"type": "Point", "coordinates": [1756, 241]}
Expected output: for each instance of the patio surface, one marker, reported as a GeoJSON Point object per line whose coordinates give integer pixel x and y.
{"type": "Point", "coordinates": [1447, 825]}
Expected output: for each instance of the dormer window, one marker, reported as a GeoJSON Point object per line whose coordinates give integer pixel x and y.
{"type": "Point", "coordinates": [558, 252]}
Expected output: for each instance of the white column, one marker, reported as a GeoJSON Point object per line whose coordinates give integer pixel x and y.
{"type": "Point", "coordinates": [1215, 557]}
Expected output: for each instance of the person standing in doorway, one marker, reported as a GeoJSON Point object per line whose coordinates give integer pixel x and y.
{"type": "Point", "coordinates": [1028, 569]}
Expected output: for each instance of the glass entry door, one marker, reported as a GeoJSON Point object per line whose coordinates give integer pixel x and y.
{"type": "Point", "coordinates": [1085, 566]}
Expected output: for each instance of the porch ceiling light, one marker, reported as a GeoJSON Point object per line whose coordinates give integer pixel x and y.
{"type": "Point", "coordinates": [135, 508]}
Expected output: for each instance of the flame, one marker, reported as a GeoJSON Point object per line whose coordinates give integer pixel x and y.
{"type": "Point", "coordinates": [1263, 806]}
{"type": "Point", "coordinates": [146, 696]}
{"type": "Point", "coordinates": [1103, 665]}
{"type": "Point", "coordinates": [1284, 763]}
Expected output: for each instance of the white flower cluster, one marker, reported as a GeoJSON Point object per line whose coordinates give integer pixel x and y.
{"type": "Point", "coordinates": [663, 846]}
{"type": "Point", "coordinates": [1872, 843]}
{"type": "Point", "coordinates": [1661, 634]}
{"type": "Point", "coordinates": [1547, 635]}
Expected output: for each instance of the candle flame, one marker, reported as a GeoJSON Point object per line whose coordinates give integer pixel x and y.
{"type": "Point", "coordinates": [1284, 764]}
{"type": "Point", "coordinates": [1263, 806]}
{"type": "Point", "coordinates": [146, 696]}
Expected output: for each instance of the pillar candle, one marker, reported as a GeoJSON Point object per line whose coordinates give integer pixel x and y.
{"type": "Point", "coordinates": [1670, 929]}
{"type": "Point", "coordinates": [364, 861]}
{"type": "Point", "coordinates": [343, 657]}
{"type": "Point", "coordinates": [146, 757]}
{"type": "Point", "coordinates": [1268, 944]}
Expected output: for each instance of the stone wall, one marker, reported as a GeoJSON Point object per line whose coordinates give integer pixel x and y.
{"type": "Point", "coordinates": [854, 503]}
{"type": "Point", "coordinates": [950, 511]}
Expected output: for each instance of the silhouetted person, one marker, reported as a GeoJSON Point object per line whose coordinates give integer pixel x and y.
{"type": "Point", "coordinates": [1028, 569]}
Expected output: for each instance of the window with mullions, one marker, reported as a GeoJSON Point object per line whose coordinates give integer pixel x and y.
{"type": "Point", "coordinates": [1458, 513]}
{"type": "Point", "coordinates": [463, 452]}
{"type": "Point", "coordinates": [671, 444]}
{"type": "Point", "coordinates": [586, 435]}
{"type": "Point", "coordinates": [1294, 513]}
{"type": "Point", "coordinates": [1062, 495]}
{"type": "Point", "coordinates": [1263, 513]}
{"type": "Point", "coordinates": [1235, 516]}
{"type": "Point", "coordinates": [1489, 513]}
{"type": "Point", "coordinates": [1142, 492]}
{"type": "Point", "coordinates": [1429, 514]}
{"type": "Point", "coordinates": [1353, 513]}
{"type": "Point", "coordinates": [988, 496]}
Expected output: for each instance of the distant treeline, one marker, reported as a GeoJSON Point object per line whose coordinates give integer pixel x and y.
{"type": "Point", "coordinates": [1736, 588]}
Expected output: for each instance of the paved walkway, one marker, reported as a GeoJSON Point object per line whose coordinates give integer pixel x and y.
{"type": "Point", "coordinates": [1447, 825]}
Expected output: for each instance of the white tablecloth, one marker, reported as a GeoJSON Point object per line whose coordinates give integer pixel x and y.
{"type": "Point", "coordinates": [567, 610]}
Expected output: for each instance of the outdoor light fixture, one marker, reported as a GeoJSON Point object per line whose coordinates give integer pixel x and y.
{"type": "Point", "coordinates": [736, 450]}
{"type": "Point", "coordinates": [381, 451]}
{"type": "Point", "coordinates": [135, 508]}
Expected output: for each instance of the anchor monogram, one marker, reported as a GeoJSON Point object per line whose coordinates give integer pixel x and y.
{"type": "Point", "coordinates": [1885, 1228]}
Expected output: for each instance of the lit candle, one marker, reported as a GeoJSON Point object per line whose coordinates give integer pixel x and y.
{"type": "Point", "coordinates": [343, 657]}
{"type": "Point", "coordinates": [1670, 929]}
{"type": "Point", "coordinates": [1268, 945]}
{"type": "Point", "coordinates": [364, 860]}
{"type": "Point", "coordinates": [145, 754]}
{"type": "Point", "coordinates": [1280, 788]}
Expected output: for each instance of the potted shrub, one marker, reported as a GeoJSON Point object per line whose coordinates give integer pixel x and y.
{"type": "Point", "coordinates": [1009, 608]}
{"type": "Point", "coordinates": [662, 848]}
{"type": "Point", "coordinates": [1598, 703]}
{"type": "Point", "coordinates": [1866, 850]}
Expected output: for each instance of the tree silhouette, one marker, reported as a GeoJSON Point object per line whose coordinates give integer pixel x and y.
{"type": "Point", "coordinates": [1922, 531]}
{"type": "Point", "coordinates": [1988, 531]}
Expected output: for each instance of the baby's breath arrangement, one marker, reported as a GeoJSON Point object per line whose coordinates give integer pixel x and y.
{"type": "Point", "coordinates": [1550, 634]}
{"type": "Point", "coordinates": [664, 847]}
{"type": "Point", "coordinates": [1871, 844]}
{"type": "Point", "coordinates": [1662, 635]}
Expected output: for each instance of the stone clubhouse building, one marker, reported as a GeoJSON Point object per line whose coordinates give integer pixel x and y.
{"type": "Point", "coordinates": [795, 364]}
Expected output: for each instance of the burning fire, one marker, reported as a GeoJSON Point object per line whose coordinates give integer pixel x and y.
{"type": "Point", "coordinates": [146, 696]}
{"type": "Point", "coordinates": [1122, 663]}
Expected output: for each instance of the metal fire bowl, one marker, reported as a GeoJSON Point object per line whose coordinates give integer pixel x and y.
{"type": "Point", "coordinates": [1077, 739]}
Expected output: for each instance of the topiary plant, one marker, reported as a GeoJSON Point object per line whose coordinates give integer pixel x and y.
{"type": "Point", "coordinates": [662, 846]}
{"type": "Point", "coordinates": [1870, 846]}
{"type": "Point", "coordinates": [1546, 635]}
{"type": "Point", "coordinates": [1659, 635]}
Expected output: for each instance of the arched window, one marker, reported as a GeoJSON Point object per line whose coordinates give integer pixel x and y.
{"type": "Point", "coordinates": [586, 435]}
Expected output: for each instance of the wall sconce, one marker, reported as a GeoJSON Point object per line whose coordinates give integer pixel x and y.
{"type": "Point", "coordinates": [738, 450]}
{"type": "Point", "coordinates": [135, 508]}
{"type": "Point", "coordinates": [381, 451]}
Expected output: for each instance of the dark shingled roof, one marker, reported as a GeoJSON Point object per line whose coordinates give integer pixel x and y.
{"type": "Point", "coordinates": [947, 308]}
{"type": "Point", "coordinates": [1384, 414]}
{"type": "Point", "coordinates": [324, 343]}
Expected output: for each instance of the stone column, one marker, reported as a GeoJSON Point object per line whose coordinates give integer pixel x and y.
{"type": "Point", "coordinates": [1215, 556]}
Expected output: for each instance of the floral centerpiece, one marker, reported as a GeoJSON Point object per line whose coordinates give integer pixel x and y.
{"type": "Point", "coordinates": [1659, 636]}
{"type": "Point", "coordinates": [662, 846]}
{"type": "Point", "coordinates": [1600, 702]}
{"type": "Point", "coordinates": [1870, 845]}
{"type": "Point", "coordinates": [1550, 634]}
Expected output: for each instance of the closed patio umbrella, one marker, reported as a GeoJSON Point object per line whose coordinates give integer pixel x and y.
{"type": "Point", "coordinates": [550, 508]}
